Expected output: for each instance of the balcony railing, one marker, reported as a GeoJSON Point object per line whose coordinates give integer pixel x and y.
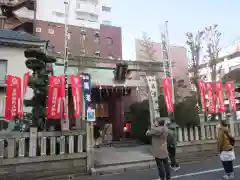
{"type": "Point", "coordinates": [88, 8]}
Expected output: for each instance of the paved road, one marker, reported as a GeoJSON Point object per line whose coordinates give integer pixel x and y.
{"type": "Point", "coordinates": [207, 170]}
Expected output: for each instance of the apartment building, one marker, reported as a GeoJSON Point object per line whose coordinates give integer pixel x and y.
{"type": "Point", "coordinates": [227, 66]}
{"type": "Point", "coordinates": [46, 20]}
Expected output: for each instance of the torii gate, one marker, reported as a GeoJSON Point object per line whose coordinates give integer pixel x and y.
{"type": "Point", "coordinates": [149, 68]}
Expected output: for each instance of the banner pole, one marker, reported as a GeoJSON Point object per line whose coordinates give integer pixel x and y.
{"type": "Point", "coordinates": [65, 125]}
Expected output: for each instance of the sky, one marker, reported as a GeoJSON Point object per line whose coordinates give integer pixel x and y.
{"type": "Point", "coordinates": [138, 16]}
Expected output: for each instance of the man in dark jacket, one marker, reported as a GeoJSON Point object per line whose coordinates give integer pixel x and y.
{"type": "Point", "coordinates": [171, 145]}
{"type": "Point", "coordinates": [159, 134]}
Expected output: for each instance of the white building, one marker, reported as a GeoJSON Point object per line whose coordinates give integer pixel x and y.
{"type": "Point", "coordinates": [12, 59]}
{"type": "Point", "coordinates": [83, 13]}
{"type": "Point", "coordinates": [229, 59]}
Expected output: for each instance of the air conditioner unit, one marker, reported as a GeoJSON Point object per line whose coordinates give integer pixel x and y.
{"type": "Point", "coordinates": [97, 34]}
{"type": "Point", "coordinates": [51, 31]}
{"type": "Point", "coordinates": [97, 53]}
{"type": "Point", "coordinates": [83, 51]}
{"type": "Point", "coordinates": [38, 30]}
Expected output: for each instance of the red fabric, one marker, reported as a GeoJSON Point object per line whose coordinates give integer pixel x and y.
{"type": "Point", "coordinates": [220, 97]}
{"type": "Point", "coordinates": [167, 91]}
{"type": "Point", "coordinates": [210, 93]}
{"type": "Point", "coordinates": [25, 83]}
{"type": "Point", "coordinates": [77, 94]}
{"type": "Point", "coordinates": [231, 94]}
{"type": "Point", "coordinates": [13, 100]}
{"type": "Point", "coordinates": [56, 95]}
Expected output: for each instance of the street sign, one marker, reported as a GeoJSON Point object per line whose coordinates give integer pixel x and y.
{"type": "Point", "coordinates": [91, 115]}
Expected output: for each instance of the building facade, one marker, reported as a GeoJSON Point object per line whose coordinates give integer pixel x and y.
{"type": "Point", "coordinates": [229, 60]}
{"type": "Point", "coordinates": [152, 51]}
{"type": "Point", "coordinates": [47, 22]}
{"type": "Point", "coordinates": [12, 59]}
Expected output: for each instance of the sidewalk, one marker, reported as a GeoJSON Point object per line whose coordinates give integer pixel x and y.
{"type": "Point", "coordinates": [110, 160]}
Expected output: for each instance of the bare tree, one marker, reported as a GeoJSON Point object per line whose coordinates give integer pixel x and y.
{"type": "Point", "coordinates": [195, 46]}
{"type": "Point", "coordinates": [148, 45]}
{"type": "Point", "coordinates": [212, 38]}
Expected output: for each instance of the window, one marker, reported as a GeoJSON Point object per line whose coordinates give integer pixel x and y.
{"type": "Point", "coordinates": [38, 30]}
{"type": "Point", "coordinates": [58, 14]}
{"type": "Point", "coordinates": [109, 40]}
{"type": "Point", "coordinates": [106, 9]}
{"type": "Point", "coordinates": [107, 22]}
{"type": "Point", "coordinates": [51, 31]}
{"type": "Point", "coordinates": [86, 16]}
{"type": "Point", "coordinates": [69, 35]}
{"type": "Point", "coordinates": [78, 5]}
{"type": "Point", "coordinates": [3, 71]}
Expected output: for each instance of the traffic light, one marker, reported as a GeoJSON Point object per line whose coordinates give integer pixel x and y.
{"type": "Point", "coordinates": [38, 62]}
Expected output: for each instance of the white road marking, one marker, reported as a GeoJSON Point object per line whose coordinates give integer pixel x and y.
{"type": "Point", "coordinates": [201, 172]}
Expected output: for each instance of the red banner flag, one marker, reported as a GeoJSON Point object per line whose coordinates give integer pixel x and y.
{"type": "Point", "coordinates": [201, 86]}
{"type": "Point", "coordinates": [231, 95]}
{"type": "Point", "coordinates": [220, 97]}
{"type": "Point", "coordinates": [210, 93]}
{"type": "Point", "coordinates": [62, 97]}
{"type": "Point", "coordinates": [13, 104]}
{"type": "Point", "coordinates": [55, 97]}
{"type": "Point", "coordinates": [77, 94]}
{"type": "Point", "coordinates": [25, 82]}
{"type": "Point", "coordinates": [167, 91]}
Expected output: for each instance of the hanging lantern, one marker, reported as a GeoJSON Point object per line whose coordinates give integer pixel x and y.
{"type": "Point", "coordinates": [107, 91]}
{"type": "Point", "coordinates": [114, 88]}
{"type": "Point", "coordinates": [100, 91]}
{"type": "Point", "coordinates": [137, 91]}
{"type": "Point", "coordinates": [125, 90]}
{"type": "Point", "coordinates": [102, 109]}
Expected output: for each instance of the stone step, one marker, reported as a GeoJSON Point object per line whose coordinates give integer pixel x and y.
{"type": "Point", "coordinates": [125, 143]}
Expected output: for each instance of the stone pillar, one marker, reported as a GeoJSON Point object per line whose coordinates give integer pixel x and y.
{"type": "Point", "coordinates": [2, 21]}
{"type": "Point", "coordinates": [203, 134]}
{"type": "Point", "coordinates": [180, 134]}
{"type": "Point", "coordinates": [112, 114]}
{"type": "Point", "coordinates": [119, 119]}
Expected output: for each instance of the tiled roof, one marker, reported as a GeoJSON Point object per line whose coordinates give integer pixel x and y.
{"type": "Point", "coordinates": [8, 34]}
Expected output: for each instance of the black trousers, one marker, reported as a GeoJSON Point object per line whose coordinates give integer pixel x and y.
{"type": "Point", "coordinates": [163, 168]}
{"type": "Point", "coordinates": [228, 166]}
{"type": "Point", "coordinates": [172, 156]}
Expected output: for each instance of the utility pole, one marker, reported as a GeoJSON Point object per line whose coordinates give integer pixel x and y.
{"type": "Point", "coordinates": [35, 17]}
{"type": "Point", "coordinates": [65, 122]}
{"type": "Point", "coordinates": [167, 63]}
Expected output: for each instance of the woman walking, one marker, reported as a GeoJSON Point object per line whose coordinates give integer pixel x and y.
{"type": "Point", "coordinates": [225, 147]}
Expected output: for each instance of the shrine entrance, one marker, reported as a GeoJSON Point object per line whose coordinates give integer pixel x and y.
{"type": "Point", "coordinates": [110, 120]}
{"type": "Point", "coordinates": [108, 92]}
